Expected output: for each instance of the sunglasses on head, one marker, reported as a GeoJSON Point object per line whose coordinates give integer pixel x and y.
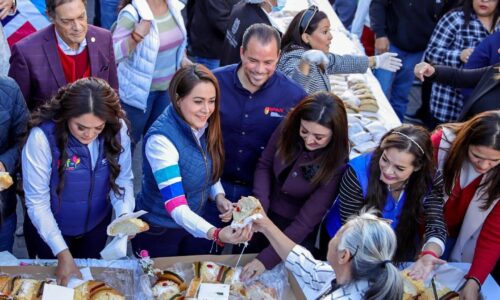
{"type": "Point", "coordinates": [307, 18]}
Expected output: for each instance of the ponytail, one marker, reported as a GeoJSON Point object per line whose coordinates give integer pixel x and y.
{"type": "Point", "coordinates": [387, 283]}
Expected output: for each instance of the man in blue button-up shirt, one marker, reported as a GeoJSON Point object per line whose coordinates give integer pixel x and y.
{"type": "Point", "coordinates": [254, 99]}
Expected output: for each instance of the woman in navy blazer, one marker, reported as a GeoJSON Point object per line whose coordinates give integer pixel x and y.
{"type": "Point", "coordinates": [298, 173]}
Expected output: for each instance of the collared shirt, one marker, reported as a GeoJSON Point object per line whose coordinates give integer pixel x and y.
{"type": "Point", "coordinates": [37, 162]}
{"type": "Point", "coordinates": [4, 53]}
{"type": "Point", "coordinates": [67, 49]}
{"type": "Point", "coordinates": [449, 39]}
{"type": "Point", "coordinates": [249, 119]}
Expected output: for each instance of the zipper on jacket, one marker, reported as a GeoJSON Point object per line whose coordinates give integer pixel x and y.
{"type": "Point", "coordinates": [92, 175]}
{"type": "Point", "coordinates": [202, 202]}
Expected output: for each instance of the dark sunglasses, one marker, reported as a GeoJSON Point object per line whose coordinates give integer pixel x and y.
{"type": "Point", "coordinates": [307, 18]}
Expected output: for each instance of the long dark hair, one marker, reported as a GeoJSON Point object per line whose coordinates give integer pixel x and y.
{"type": "Point", "coordinates": [183, 82]}
{"type": "Point", "coordinates": [468, 10]}
{"type": "Point", "coordinates": [406, 138]}
{"type": "Point", "coordinates": [293, 37]}
{"type": "Point", "coordinates": [327, 110]}
{"type": "Point", "coordinates": [87, 95]}
{"type": "Point", "coordinates": [482, 130]}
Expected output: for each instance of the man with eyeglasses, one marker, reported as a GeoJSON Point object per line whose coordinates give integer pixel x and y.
{"type": "Point", "coordinates": [61, 53]}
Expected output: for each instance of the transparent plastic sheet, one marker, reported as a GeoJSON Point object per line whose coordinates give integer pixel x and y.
{"type": "Point", "coordinates": [122, 275]}
{"type": "Point", "coordinates": [276, 279]}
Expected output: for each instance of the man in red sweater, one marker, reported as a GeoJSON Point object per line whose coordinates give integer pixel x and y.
{"type": "Point", "coordinates": [61, 53]}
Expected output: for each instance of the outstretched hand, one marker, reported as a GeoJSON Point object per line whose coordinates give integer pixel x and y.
{"type": "Point", "coordinates": [423, 70]}
{"type": "Point", "coordinates": [424, 266]}
{"type": "Point", "coordinates": [230, 235]}
{"type": "Point", "coordinates": [252, 270]}
{"type": "Point", "coordinates": [66, 268]}
{"type": "Point", "coordinates": [388, 61]}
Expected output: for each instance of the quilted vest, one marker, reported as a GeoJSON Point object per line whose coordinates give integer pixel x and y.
{"type": "Point", "coordinates": [84, 199]}
{"type": "Point", "coordinates": [361, 166]}
{"type": "Point", "coordinates": [136, 72]}
{"type": "Point", "coordinates": [195, 169]}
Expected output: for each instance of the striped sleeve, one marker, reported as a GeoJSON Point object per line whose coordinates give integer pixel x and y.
{"type": "Point", "coordinates": [350, 195]}
{"type": "Point", "coordinates": [163, 158]}
{"type": "Point", "coordinates": [307, 270]}
{"type": "Point", "coordinates": [435, 228]}
{"type": "Point", "coordinates": [124, 27]}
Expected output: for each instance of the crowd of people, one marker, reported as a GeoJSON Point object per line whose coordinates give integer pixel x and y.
{"type": "Point", "coordinates": [227, 106]}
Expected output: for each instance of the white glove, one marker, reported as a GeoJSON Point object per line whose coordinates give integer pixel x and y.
{"type": "Point", "coordinates": [316, 57]}
{"type": "Point", "coordinates": [388, 61]}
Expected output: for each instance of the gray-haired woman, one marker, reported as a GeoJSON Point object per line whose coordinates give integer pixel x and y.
{"type": "Point", "coordinates": [359, 260]}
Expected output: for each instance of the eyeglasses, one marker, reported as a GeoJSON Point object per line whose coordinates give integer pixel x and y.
{"type": "Point", "coordinates": [307, 18]}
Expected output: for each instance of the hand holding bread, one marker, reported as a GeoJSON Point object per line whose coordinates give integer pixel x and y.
{"type": "Point", "coordinates": [5, 181]}
{"type": "Point", "coordinates": [130, 227]}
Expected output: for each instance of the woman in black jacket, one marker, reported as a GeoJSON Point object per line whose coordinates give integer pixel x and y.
{"type": "Point", "coordinates": [485, 81]}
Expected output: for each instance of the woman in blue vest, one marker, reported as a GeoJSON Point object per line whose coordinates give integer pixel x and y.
{"type": "Point", "coordinates": [398, 178]}
{"type": "Point", "coordinates": [76, 170]}
{"type": "Point", "coordinates": [183, 160]}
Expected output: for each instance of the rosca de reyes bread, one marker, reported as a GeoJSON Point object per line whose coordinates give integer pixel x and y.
{"type": "Point", "coordinates": [168, 286]}
{"type": "Point", "coordinates": [246, 206]}
{"type": "Point", "coordinates": [211, 272]}
{"type": "Point", "coordinates": [5, 180]}
{"type": "Point", "coordinates": [259, 291]}
{"type": "Point", "coordinates": [96, 290]}
{"type": "Point", "coordinates": [194, 286]}
{"type": "Point", "coordinates": [25, 289]}
{"type": "Point", "coordinates": [416, 290]}
{"type": "Point", "coordinates": [128, 227]}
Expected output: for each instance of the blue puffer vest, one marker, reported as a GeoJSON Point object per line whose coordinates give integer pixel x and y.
{"type": "Point", "coordinates": [84, 199]}
{"type": "Point", "coordinates": [392, 209]}
{"type": "Point", "coordinates": [195, 167]}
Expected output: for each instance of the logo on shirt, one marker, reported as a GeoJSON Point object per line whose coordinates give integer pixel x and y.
{"type": "Point", "coordinates": [72, 163]}
{"type": "Point", "coordinates": [274, 112]}
{"type": "Point", "coordinates": [235, 26]}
